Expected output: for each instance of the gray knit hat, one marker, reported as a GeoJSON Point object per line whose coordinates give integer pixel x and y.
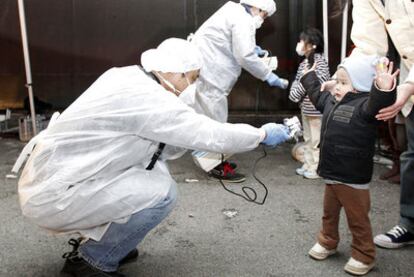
{"type": "Point", "coordinates": [361, 71]}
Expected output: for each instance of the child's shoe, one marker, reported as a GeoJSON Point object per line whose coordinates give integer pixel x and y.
{"type": "Point", "coordinates": [355, 267]}
{"type": "Point", "coordinates": [311, 175]}
{"type": "Point", "coordinates": [300, 171]}
{"type": "Point", "coordinates": [318, 252]}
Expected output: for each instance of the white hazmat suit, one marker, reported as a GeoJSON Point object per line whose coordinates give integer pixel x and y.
{"type": "Point", "coordinates": [88, 168]}
{"type": "Point", "coordinates": [226, 42]}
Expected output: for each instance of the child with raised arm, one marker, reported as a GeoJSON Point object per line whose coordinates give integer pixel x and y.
{"type": "Point", "coordinates": [363, 86]}
{"type": "Point", "coordinates": [311, 47]}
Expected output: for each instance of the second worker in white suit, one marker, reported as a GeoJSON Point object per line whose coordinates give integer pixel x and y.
{"type": "Point", "coordinates": [227, 43]}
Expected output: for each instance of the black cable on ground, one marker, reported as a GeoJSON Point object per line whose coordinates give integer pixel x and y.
{"type": "Point", "coordinates": [246, 190]}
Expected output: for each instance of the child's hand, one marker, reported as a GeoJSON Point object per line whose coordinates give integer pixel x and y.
{"type": "Point", "coordinates": [328, 85]}
{"type": "Point", "coordinates": [384, 78]}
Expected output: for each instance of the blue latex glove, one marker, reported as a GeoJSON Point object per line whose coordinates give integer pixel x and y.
{"type": "Point", "coordinates": [275, 134]}
{"type": "Point", "coordinates": [260, 52]}
{"type": "Point", "coordinates": [275, 81]}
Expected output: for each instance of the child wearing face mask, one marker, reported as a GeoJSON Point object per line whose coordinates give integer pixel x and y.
{"type": "Point", "coordinates": [310, 47]}
{"type": "Point", "coordinates": [363, 86]}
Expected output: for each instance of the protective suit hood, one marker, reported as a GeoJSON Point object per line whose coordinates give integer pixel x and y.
{"type": "Point", "coordinates": [266, 5]}
{"type": "Point", "coordinates": [172, 55]}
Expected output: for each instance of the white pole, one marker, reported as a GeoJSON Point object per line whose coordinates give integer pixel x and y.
{"type": "Point", "coordinates": [325, 28]}
{"type": "Point", "coordinates": [27, 63]}
{"type": "Point", "coordinates": [344, 32]}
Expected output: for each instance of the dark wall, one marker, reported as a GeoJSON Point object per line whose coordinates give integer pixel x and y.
{"type": "Point", "coordinates": [72, 42]}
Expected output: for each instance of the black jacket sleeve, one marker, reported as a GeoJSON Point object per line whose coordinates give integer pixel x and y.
{"type": "Point", "coordinates": [312, 87]}
{"type": "Point", "coordinates": [377, 100]}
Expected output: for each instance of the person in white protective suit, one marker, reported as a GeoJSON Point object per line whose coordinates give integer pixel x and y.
{"type": "Point", "coordinates": [99, 169]}
{"type": "Point", "coordinates": [227, 42]}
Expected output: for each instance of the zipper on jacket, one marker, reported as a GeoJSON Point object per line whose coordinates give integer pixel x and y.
{"type": "Point", "coordinates": [326, 127]}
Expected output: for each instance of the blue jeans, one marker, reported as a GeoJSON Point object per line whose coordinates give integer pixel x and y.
{"type": "Point", "coordinates": [120, 239]}
{"type": "Point", "coordinates": [407, 178]}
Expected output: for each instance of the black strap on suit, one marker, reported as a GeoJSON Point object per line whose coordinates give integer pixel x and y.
{"type": "Point", "coordinates": [156, 156]}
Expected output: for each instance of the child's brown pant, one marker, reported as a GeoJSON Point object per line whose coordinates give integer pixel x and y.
{"type": "Point", "coordinates": [356, 203]}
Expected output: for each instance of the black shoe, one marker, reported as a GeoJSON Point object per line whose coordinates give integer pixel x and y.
{"type": "Point", "coordinates": [397, 237]}
{"type": "Point", "coordinates": [130, 257]}
{"type": "Point", "coordinates": [232, 164]}
{"type": "Point", "coordinates": [78, 267]}
{"type": "Point", "coordinates": [226, 172]}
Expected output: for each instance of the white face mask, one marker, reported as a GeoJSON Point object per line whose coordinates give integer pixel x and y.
{"type": "Point", "coordinates": [258, 21]}
{"type": "Point", "coordinates": [171, 86]}
{"type": "Point", "coordinates": [299, 49]}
